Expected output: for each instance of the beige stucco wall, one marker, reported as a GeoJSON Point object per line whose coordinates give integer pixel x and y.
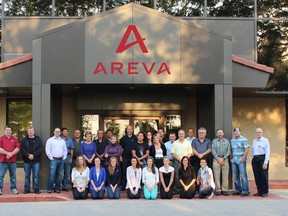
{"type": "Point", "coordinates": [70, 116]}
{"type": "Point", "coordinates": [269, 114]}
{"type": "Point", "coordinates": [2, 113]}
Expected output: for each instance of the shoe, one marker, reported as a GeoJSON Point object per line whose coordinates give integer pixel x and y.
{"type": "Point", "coordinates": [243, 194]}
{"type": "Point", "coordinates": [58, 191]}
{"type": "Point", "coordinates": [14, 191]}
{"type": "Point", "coordinates": [236, 193]}
{"type": "Point", "coordinates": [1, 192]}
{"type": "Point", "coordinates": [257, 194]}
{"type": "Point", "coordinates": [264, 195]}
{"type": "Point", "coordinates": [65, 189]}
{"type": "Point", "coordinates": [26, 191]}
{"type": "Point", "coordinates": [210, 196]}
{"type": "Point", "coordinates": [218, 193]}
{"type": "Point", "coordinates": [49, 191]}
{"type": "Point", "coordinates": [225, 193]}
{"type": "Point", "coordinates": [37, 192]}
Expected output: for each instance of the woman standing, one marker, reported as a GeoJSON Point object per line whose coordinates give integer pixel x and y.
{"type": "Point", "coordinates": [80, 179]}
{"type": "Point", "coordinates": [187, 178]}
{"type": "Point", "coordinates": [150, 179]}
{"type": "Point", "coordinates": [113, 179]}
{"type": "Point", "coordinates": [149, 138]}
{"type": "Point", "coordinates": [97, 180]}
{"type": "Point", "coordinates": [158, 151]}
{"type": "Point", "coordinates": [167, 174]}
{"type": "Point", "coordinates": [205, 180]}
{"type": "Point", "coordinates": [88, 149]}
{"type": "Point", "coordinates": [112, 150]}
{"type": "Point", "coordinates": [133, 175]}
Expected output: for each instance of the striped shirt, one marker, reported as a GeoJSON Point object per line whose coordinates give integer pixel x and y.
{"type": "Point", "coordinates": [238, 146]}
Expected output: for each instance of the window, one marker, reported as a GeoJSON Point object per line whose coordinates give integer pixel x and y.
{"type": "Point", "coordinates": [90, 123]}
{"type": "Point", "coordinates": [172, 122]}
{"type": "Point", "coordinates": [19, 113]}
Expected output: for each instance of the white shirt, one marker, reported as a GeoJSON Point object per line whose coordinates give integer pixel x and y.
{"type": "Point", "coordinates": [133, 179]}
{"type": "Point", "coordinates": [261, 147]}
{"type": "Point", "coordinates": [205, 180]}
{"type": "Point", "coordinates": [168, 146]}
{"type": "Point", "coordinates": [150, 178]}
{"type": "Point", "coordinates": [80, 178]}
{"type": "Point", "coordinates": [158, 153]}
{"type": "Point", "coordinates": [190, 139]}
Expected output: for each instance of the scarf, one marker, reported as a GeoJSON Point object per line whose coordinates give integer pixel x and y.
{"type": "Point", "coordinates": [204, 171]}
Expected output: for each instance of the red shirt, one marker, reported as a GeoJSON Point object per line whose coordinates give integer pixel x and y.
{"type": "Point", "coordinates": [9, 145]}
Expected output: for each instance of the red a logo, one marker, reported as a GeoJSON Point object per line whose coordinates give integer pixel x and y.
{"type": "Point", "coordinates": [123, 46]}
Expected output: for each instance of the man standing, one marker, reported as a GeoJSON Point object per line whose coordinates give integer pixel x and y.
{"type": "Point", "coordinates": [101, 144]}
{"type": "Point", "coordinates": [190, 137]}
{"type": "Point", "coordinates": [240, 150]}
{"type": "Point", "coordinates": [168, 145]}
{"type": "Point", "coordinates": [201, 149]}
{"type": "Point", "coordinates": [31, 149]}
{"type": "Point", "coordinates": [69, 159]}
{"type": "Point", "coordinates": [56, 151]}
{"type": "Point", "coordinates": [141, 150]}
{"type": "Point", "coordinates": [9, 147]}
{"type": "Point", "coordinates": [127, 142]}
{"type": "Point", "coordinates": [260, 162]}
{"type": "Point", "coordinates": [221, 153]}
{"type": "Point", "coordinates": [77, 140]}
{"type": "Point", "coordinates": [180, 148]}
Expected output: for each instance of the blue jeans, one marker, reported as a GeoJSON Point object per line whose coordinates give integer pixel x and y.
{"type": "Point", "coordinates": [240, 177]}
{"type": "Point", "coordinates": [131, 196]}
{"type": "Point", "coordinates": [205, 191]}
{"type": "Point", "coordinates": [97, 195]}
{"type": "Point", "coordinates": [12, 172]}
{"type": "Point", "coordinates": [150, 194]}
{"type": "Point", "coordinates": [35, 172]}
{"type": "Point", "coordinates": [56, 170]}
{"type": "Point", "coordinates": [67, 169]}
{"type": "Point", "coordinates": [115, 195]}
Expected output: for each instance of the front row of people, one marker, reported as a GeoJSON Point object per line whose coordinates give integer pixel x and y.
{"type": "Point", "coordinates": [97, 179]}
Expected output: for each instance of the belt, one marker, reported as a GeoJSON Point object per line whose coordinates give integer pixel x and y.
{"type": "Point", "coordinates": [159, 158]}
{"type": "Point", "coordinates": [263, 155]}
{"type": "Point", "coordinates": [58, 158]}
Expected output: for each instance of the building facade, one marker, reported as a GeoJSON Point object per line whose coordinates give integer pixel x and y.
{"type": "Point", "coordinates": [135, 65]}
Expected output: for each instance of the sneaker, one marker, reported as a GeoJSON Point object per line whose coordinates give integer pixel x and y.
{"type": "Point", "coordinates": [14, 191]}
{"type": "Point", "coordinates": [26, 191]}
{"type": "Point", "coordinates": [243, 194]}
{"type": "Point", "coordinates": [210, 196]}
{"type": "Point", "coordinates": [1, 191]}
{"type": "Point", "coordinates": [236, 193]}
{"type": "Point", "coordinates": [218, 193]}
{"type": "Point", "coordinates": [37, 192]}
{"type": "Point", "coordinates": [49, 191]}
{"type": "Point", "coordinates": [225, 193]}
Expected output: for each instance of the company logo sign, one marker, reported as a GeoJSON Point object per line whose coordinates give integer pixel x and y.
{"type": "Point", "coordinates": [132, 68]}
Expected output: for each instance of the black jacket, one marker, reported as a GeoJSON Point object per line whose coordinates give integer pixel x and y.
{"type": "Point", "coordinates": [25, 150]}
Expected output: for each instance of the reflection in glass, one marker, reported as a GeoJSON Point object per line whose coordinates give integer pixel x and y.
{"type": "Point", "coordinates": [145, 126]}
{"type": "Point", "coordinates": [117, 126]}
{"type": "Point", "coordinates": [172, 122]}
{"type": "Point", "coordinates": [90, 123]}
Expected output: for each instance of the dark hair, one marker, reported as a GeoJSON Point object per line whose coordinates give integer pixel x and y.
{"type": "Point", "coordinates": [64, 128]}
{"type": "Point", "coordinates": [153, 165]}
{"type": "Point", "coordinates": [190, 129]}
{"type": "Point", "coordinates": [203, 159]}
{"type": "Point", "coordinates": [219, 129]}
{"type": "Point", "coordinates": [144, 136]}
{"type": "Point", "coordinates": [190, 168]}
{"type": "Point", "coordinates": [137, 165]}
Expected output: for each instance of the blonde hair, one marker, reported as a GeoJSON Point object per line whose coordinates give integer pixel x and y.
{"type": "Point", "coordinates": [110, 168]}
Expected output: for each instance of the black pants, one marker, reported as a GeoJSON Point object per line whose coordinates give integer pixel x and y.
{"type": "Point", "coordinates": [77, 195]}
{"type": "Point", "coordinates": [166, 195]}
{"type": "Point", "coordinates": [260, 175]}
{"type": "Point", "coordinates": [125, 163]}
{"type": "Point", "coordinates": [188, 194]}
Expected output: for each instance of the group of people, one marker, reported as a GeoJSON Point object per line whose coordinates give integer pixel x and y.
{"type": "Point", "coordinates": [146, 162]}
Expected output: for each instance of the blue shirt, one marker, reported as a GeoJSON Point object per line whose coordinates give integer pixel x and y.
{"type": "Point", "coordinates": [69, 144]}
{"type": "Point", "coordinates": [97, 181]}
{"type": "Point", "coordinates": [238, 146]}
{"type": "Point", "coordinates": [201, 147]}
{"type": "Point", "coordinates": [261, 147]}
{"type": "Point", "coordinates": [168, 146]}
{"type": "Point", "coordinates": [88, 149]}
{"type": "Point", "coordinates": [56, 147]}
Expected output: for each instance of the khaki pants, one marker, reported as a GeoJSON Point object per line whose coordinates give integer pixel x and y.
{"type": "Point", "coordinates": [217, 173]}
